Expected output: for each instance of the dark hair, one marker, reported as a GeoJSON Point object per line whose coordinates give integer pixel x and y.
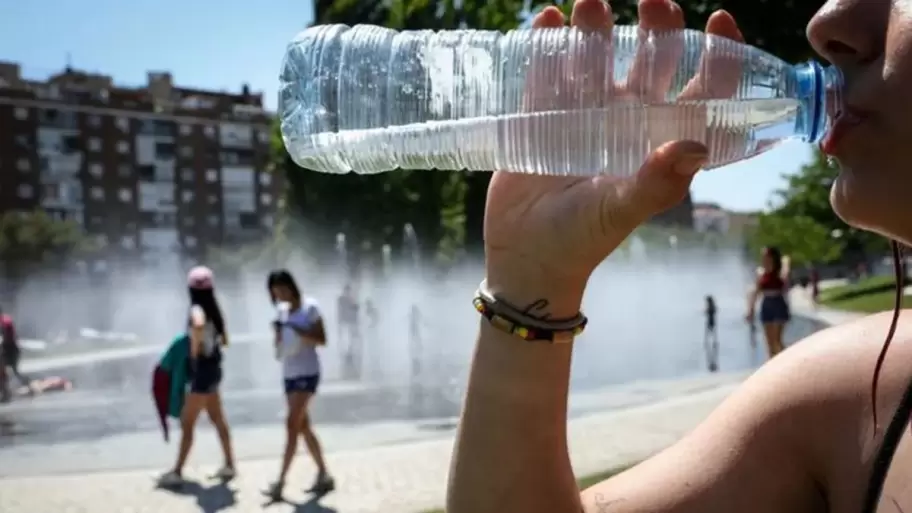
{"type": "Point", "coordinates": [776, 257]}
{"type": "Point", "coordinates": [205, 299]}
{"type": "Point", "coordinates": [282, 278]}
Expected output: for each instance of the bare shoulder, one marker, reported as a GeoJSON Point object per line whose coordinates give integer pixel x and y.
{"type": "Point", "coordinates": [789, 439]}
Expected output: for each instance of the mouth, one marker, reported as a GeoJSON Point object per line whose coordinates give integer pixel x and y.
{"type": "Point", "coordinates": [846, 121]}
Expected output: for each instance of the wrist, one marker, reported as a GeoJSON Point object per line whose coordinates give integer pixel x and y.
{"type": "Point", "coordinates": [557, 295]}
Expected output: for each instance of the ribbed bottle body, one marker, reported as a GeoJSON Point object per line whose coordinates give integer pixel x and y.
{"type": "Point", "coordinates": [544, 101]}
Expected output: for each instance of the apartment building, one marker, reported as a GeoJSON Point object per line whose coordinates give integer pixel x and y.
{"type": "Point", "coordinates": [153, 172]}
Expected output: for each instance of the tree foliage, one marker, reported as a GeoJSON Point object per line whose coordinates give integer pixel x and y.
{"type": "Point", "coordinates": [446, 209]}
{"type": "Point", "coordinates": [33, 239]}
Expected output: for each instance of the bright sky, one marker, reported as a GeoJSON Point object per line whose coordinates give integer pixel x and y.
{"type": "Point", "coordinates": [223, 44]}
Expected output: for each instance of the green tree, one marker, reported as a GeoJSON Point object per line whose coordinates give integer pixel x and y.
{"type": "Point", "coordinates": [34, 241]}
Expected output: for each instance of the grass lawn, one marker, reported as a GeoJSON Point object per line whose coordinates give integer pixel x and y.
{"type": "Point", "coordinates": [584, 482]}
{"type": "Point", "coordinates": [870, 295]}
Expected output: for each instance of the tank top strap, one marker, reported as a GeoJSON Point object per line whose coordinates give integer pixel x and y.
{"type": "Point", "coordinates": [887, 450]}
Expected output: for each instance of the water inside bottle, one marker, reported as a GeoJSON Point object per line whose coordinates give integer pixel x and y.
{"type": "Point", "coordinates": [605, 141]}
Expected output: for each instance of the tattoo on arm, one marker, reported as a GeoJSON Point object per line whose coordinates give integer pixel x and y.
{"type": "Point", "coordinates": [538, 309]}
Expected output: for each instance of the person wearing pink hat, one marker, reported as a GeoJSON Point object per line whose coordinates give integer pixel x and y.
{"type": "Point", "coordinates": [206, 328]}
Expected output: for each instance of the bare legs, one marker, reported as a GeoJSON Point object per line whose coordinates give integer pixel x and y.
{"type": "Point", "coordinates": [297, 423]}
{"type": "Point", "coordinates": [773, 332]}
{"type": "Point", "coordinates": [194, 404]}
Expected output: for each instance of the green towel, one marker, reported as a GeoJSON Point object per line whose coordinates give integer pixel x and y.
{"type": "Point", "coordinates": [174, 362]}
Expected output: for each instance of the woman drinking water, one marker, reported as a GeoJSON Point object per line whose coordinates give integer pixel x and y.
{"type": "Point", "coordinates": [299, 331]}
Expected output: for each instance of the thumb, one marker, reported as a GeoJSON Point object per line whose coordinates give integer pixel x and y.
{"type": "Point", "coordinates": [664, 179]}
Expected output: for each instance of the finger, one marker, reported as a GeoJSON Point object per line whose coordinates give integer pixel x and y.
{"type": "Point", "coordinates": [662, 181]}
{"type": "Point", "coordinates": [543, 80]}
{"type": "Point", "coordinates": [590, 70]}
{"type": "Point", "coordinates": [550, 16]}
{"type": "Point", "coordinates": [544, 65]}
{"type": "Point", "coordinates": [719, 72]}
{"type": "Point", "coordinates": [659, 48]}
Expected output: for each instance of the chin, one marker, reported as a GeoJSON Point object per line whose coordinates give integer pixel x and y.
{"type": "Point", "coordinates": [861, 206]}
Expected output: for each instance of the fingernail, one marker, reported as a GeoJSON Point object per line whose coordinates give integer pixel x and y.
{"type": "Point", "coordinates": [691, 163]}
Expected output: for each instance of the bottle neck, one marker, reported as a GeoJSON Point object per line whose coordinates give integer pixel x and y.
{"type": "Point", "coordinates": [819, 91]}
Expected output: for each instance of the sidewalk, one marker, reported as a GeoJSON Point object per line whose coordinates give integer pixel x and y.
{"type": "Point", "coordinates": [402, 478]}
{"type": "Point", "coordinates": [802, 305]}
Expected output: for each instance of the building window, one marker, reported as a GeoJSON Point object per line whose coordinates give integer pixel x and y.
{"type": "Point", "coordinates": [123, 124]}
{"type": "Point", "coordinates": [213, 220]}
{"type": "Point", "coordinates": [265, 179]}
{"type": "Point", "coordinates": [186, 129]}
{"type": "Point", "coordinates": [186, 151]}
{"type": "Point", "coordinates": [125, 170]}
{"type": "Point", "coordinates": [23, 142]}
{"type": "Point", "coordinates": [94, 144]}
{"type": "Point", "coordinates": [209, 130]}
{"type": "Point", "coordinates": [266, 198]}
{"type": "Point", "coordinates": [123, 147]}
{"type": "Point", "coordinates": [93, 121]}
{"type": "Point", "coordinates": [128, 242]}
{"type": "Point", "coordinates": [25, 191]}
{"type": "Point", "coordinates": [21, 113]}
{"type": "Point", "coordinates": [96, 170]}
{"type": "Point", "coordinates": [126, 195]}
{"type": "Point", "coordinates": [187, 196]}
{"type": "Point", "coordinates": [189, 221]}
{"type": "Point", "coordinates": [23, 165]}
{"type": "Point", "coordinates": [263, 136]}
{"type": "Point", "coordinates": [97, 193]}
{"type": "Point", "coordinates": [190, 241]}
{"type": "Point", "coordinates": [213, 199]}
{"type": "Point", "coordinates": [187, 175]}
{"type": "Point", "coordinates": [268, 221]}
{"type": "Point", "coordinates": [212, 175]}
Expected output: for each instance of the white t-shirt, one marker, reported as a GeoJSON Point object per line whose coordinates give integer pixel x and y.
{"type": "Point", "coordinates": [298, 359]}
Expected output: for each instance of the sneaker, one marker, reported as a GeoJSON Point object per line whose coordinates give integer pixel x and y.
{"type": "Point", "coordinates": [226, 473]}
{"type": "Point", "coordinates": [275, 490]}
{"type": "Point", "coordinates": [170, 480]}
{"type": "Point", "coordinates": [323, 484]}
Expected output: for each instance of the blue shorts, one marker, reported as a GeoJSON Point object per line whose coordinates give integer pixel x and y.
{"type": "Point", "coordinates": [774, 309]}
{"type": "Point", "coordinates": [306, 384]}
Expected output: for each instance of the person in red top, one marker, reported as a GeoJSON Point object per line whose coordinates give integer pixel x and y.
{"type": "Point", "coordinates": [772, 287]}
{"type": "Point", "coordinates": [9, 354]}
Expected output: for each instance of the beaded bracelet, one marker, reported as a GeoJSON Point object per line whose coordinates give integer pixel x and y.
{"type": "Point", "coordinates": [514, 321]}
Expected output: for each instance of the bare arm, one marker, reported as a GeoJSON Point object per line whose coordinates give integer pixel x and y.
{"type": "Point", "coordinates": [314, 335]}
{"type": "Point", "coordinates": [197, 322]}
{"type": "Point", "coordinates": [752, 299]}
{"type": "Point", "coordinates": [511, 453]}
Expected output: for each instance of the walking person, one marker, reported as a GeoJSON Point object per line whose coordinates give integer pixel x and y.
{"type": "Point", "coordinates": [208, 337]}
{"type": "Point", "coordinates": [814, 279]}
{"type": "Point", "coordinates": [771, 289]}
{"type": "Point", "coordinates": [349, 331]}
{"type": "Point", "coordinates": [299, 331]}
{"type": "Point", "coordinates": [10, 355]}
{"type": "Point", "coordinates": [710, 336]}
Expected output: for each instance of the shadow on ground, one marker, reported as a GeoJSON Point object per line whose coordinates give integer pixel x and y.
{"type": "Point", "coordinates": [311, 505]}
{"type": "Point", "coordinates": [210, 499]}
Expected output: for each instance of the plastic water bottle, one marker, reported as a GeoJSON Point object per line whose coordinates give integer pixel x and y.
{"type": "Point", "coordinates": [545, 101]}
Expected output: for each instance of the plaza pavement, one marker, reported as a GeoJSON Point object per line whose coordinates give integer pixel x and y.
{"type": "Point", "coordinates": [400, 477]}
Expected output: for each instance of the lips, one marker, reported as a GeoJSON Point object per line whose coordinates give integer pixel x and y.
{"type": "Point", "coordinates": [845, 122]}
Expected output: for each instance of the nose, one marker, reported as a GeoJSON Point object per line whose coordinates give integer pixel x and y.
{"type": "Point", "coordinates": [849, 33]}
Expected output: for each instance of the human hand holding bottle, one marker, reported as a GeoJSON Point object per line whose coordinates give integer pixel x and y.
{"type": "Point", "coordinates": [544, 235]}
